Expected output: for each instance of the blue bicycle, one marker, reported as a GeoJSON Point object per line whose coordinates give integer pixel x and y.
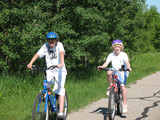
{"type": "Point", "coordinates": [46, 105]}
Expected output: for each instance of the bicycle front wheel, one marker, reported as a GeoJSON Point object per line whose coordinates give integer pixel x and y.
{"type": "Point", "coordinates": [65, 106]}
{"type": "Point", "coordinates": [38, 108]}
{"type": "Point", "coordinates": [112, 104]}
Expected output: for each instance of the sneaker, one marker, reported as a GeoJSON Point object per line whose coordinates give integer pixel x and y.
{"type": "Point", "coordinates": [107, 93]}
{"type": "Point", "coordinates": [125, 109]}
{"type": "Point", "coordinates": [60, 115]}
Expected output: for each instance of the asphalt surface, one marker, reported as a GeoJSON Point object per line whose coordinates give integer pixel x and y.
{"type": "Point", "coordinates": [143, 99]}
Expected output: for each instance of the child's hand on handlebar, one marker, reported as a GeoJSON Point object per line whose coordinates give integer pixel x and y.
{"type": "Point", "coordinates": [99, 67]}
{"type": "Point", "coordinates": [60, 65]}
{"type": "Point", "coordinates": [129, 69]}
{"type": "Point", "coordinates": [29, 66]}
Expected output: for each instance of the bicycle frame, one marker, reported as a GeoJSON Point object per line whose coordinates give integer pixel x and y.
{"type": "Point", "coordinates": [48, 97]}
{"type": "Point", "coordinates": [115, 82]}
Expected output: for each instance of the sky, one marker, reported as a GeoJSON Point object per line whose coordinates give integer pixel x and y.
{"type": "Point", "coordinates": [154, 2]}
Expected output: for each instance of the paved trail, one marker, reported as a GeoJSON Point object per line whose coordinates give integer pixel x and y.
{"type": "Point", "coordinates": [143, 99]}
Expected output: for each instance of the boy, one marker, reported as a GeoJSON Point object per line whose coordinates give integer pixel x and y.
{"type": "Point", "coordinates": [54, 52]}
{"type": "Point", "coordinates": [118, 58]}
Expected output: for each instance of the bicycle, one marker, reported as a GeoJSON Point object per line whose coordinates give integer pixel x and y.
{"type": "Point", "coordinates": [46, 104]}
{"type": "Point", "coordinates": [115, 94]}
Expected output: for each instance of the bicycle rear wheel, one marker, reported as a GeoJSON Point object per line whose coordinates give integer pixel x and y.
{"type": "Point", "coordinates": [112, 104]}
{"type": "Point", "coordinates": [38, 108]}
{"type": "Point", "coordinates": [65, 110]}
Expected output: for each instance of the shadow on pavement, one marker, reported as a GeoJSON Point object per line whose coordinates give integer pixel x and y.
{"type": "Point", "coordinates": [146, 110]}
{"type": "Point", "coordinates": [104, 112]}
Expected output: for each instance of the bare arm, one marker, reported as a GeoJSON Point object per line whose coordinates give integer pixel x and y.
{"type": "Point", "coordinates": [32, 61]}
{"type": "Point", "coordinates": [128, 65]}
{"type": "Point", "coordinates": [103, 66]}
{"type": "Point", "coordinates": [62, 59]}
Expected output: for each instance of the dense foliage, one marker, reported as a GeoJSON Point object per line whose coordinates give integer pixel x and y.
{"type": "Point", "coordinates": [86, 28]}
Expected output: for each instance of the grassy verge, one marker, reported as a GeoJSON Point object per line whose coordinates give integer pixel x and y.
{"type": "Point", "coordinates": [17, 94]}
{"type": "Point", "coordinates": [143, 65]}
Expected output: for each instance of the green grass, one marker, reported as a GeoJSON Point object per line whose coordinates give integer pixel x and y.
{"type": "Point", "coordinates": [17, 93]}
{"type": "Point", "coordinates": [143, 65]}
{"type": "Point", "coordinates": [84, 92]}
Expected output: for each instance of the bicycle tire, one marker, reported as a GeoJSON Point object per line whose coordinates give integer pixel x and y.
{"type": "Point", "coordinates": [39, 102]}
{"type": "Point", "coordinates": [120, 104]}
{"type": "Point", "coordinates": [112, 104]}
{"type": "Point", "coordinates": [65, 110]}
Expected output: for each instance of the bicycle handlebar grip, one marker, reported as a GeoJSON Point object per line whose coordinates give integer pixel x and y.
{"type": "Point", "coordinates": [102, 68]}
{"type": "Point", "coordinates": [106, 69]}
{"type": "Point", "coordinates": [33, 66]}
{"type": "Point", "coordinates": [127, 69]}
{"type": "Point", "coordinates": [124, 69]}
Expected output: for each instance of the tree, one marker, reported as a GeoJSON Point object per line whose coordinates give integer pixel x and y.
{"type": "Point", "coordinates": [86, 28]}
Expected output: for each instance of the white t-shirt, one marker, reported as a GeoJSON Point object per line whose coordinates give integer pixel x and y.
{"type": "Point", "coordinates": [52, 57]}
{"type": "Point", "coordinates": [117, 61]}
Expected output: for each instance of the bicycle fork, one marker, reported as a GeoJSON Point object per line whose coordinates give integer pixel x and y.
{"type": "Point", "coordinates": [53, 103]}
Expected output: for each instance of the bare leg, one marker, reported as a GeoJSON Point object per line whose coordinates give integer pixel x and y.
{"type": "Point", "coordinates": [61, 104]}
{"type": "Point", "coordinates": [109, 76]}
{"type": "Point", "coordinates": [124, 94]}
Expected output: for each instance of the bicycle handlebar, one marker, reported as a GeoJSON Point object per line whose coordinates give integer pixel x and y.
{"type": "Point", "coordinates": [50, 68]}
{"type": "Point", "coordinates": [112, 69]}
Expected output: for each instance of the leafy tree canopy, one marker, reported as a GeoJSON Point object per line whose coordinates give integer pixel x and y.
{"type": "Point", "coordinates": [85, 27]}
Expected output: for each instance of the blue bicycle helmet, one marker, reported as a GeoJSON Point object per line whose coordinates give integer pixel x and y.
{"type": "Point", "coordinates": [117, 42]}
{"type": "Point", "coordinates": [52, 35]}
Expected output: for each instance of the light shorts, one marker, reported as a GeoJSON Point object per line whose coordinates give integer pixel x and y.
{"type": "Point", "coordinates": [122, 76]}
{"type": "Point", "coordinates": [60, 79]}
